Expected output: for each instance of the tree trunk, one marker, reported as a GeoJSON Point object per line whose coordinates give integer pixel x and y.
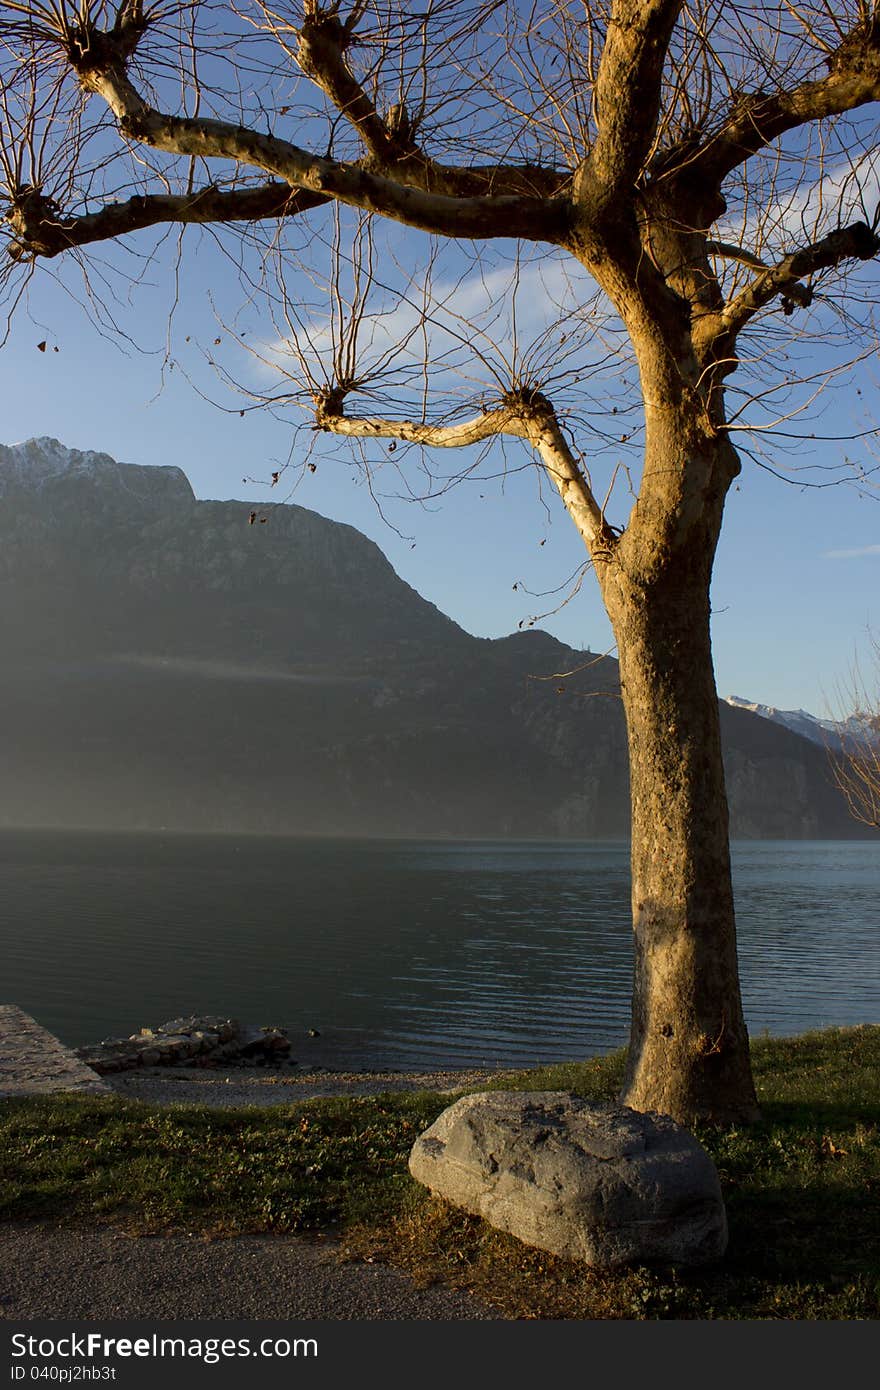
{"type": "Point", "coordinates": [689, 1053]}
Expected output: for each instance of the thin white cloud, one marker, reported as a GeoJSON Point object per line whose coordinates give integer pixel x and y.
{"type": "Point", "coordinates": [482, 314]}
{"type": "Point", "coordinates": [851, 554]}
{"type": "Point", "coordinates": [843, 193]}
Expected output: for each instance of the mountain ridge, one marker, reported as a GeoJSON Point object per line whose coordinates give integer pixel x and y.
{"type": "Point", "coordinates": [36, 463]}
{"type": "Point", "coordinates": [175, 665]}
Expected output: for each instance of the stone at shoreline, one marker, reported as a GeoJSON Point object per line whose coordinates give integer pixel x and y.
{"type": "Point", "coordinates": [598, 1183]}
{"type": "Point", "coordinates": [200, 1039]}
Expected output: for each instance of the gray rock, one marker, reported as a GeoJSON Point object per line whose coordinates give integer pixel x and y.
{"type": "Point", "coordinates": [175, 1045]}
{"type": "Point", "coordinates": [253, 1042]}
{"type": "Point", "coordinates": [201, 1039]}
{"type": "Point", "coordinates": [200, 1023]}
{"type": "Point", "coordinates": [598, 1183]}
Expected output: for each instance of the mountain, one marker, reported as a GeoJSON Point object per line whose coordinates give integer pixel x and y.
{"type": "Point", "coordinates": [834, 734]}
{"type": "Point", "coordinates": [181, 664]}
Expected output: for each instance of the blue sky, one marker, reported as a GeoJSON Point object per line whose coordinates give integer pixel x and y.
{"type": "Point", "coordinates": [796, 580]}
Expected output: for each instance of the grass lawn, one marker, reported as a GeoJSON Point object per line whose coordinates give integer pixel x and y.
{"type": "Point", "coordinates": [802, 1188]}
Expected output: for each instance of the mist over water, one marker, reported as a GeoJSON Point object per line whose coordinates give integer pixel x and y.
{"type": "Point", "coordinates": [405, 954]}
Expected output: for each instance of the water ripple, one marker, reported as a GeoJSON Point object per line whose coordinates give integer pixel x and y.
{"type": "Point", "coordinates": [406, 954]}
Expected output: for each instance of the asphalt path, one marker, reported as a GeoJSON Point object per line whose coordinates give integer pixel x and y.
{"type": "Point", "coordinates": [86, 1273]}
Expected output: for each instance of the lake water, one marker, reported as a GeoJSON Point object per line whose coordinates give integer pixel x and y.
{"type": "Point", "coordinates": [406, 954]}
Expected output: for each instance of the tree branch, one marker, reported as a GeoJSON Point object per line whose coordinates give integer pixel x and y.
{"type": "Point", "coordinates": [857, 242]}
{"type": "Point", "coordinates": [529, 417]}
{"type": "Point", "coordinates": [323, 39]}
{"type": "Point", "coordinates": [493, 215]}
{"type": "Point", "coordinates": [40, 229]}
{"type": "Point", "coordinates": [568, 478]}
{"type": "Point", "coordinates": [628, 92]}
{"type": "Point", "coordinates": [390, 139]}
{"type": "Point", "coordinates": [487, 425]}
{"type": "Point", "coordinates": [728, 252]}
{"type": "Point", "coordinates": [758, 119]}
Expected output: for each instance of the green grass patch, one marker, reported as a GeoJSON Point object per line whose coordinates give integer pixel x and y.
{"type": "Point", "coordinates": [802, 1188]}
{"type": "Point", "coordinates": [284, 1168]}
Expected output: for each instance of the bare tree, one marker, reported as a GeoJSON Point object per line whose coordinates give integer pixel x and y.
{"type": "Point", "coordinates": [855, 750]}
{"type": "Point", "coordinates": [708, 168]}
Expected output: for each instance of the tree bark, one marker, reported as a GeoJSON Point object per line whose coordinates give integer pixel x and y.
{"type": "Point", "coordinates": [689, 1051]}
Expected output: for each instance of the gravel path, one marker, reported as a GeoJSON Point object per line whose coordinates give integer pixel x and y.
{"type": "Point", "coordinates": [280, 1086]}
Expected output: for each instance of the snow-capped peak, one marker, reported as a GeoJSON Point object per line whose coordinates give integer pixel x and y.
{"type": "Point", "coordinates": [50, 456]}
{"type": "Point", "coordinates": [35, 464]}
{"type": "Point", "coordinates": [810, 726]}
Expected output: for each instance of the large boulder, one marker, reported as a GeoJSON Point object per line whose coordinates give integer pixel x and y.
{"type": "Point", "coordinates": [599, 1183]}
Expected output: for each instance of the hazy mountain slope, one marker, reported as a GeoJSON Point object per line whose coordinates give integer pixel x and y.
{"type": "Point", "coordinates": [171, 664]}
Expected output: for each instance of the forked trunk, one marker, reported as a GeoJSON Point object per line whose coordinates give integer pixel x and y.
{"type": "Point", "coordinates": [689, 1053]}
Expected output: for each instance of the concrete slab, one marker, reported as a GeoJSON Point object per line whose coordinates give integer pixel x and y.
{"type": "Point", "coordinates": [34, 1063]}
